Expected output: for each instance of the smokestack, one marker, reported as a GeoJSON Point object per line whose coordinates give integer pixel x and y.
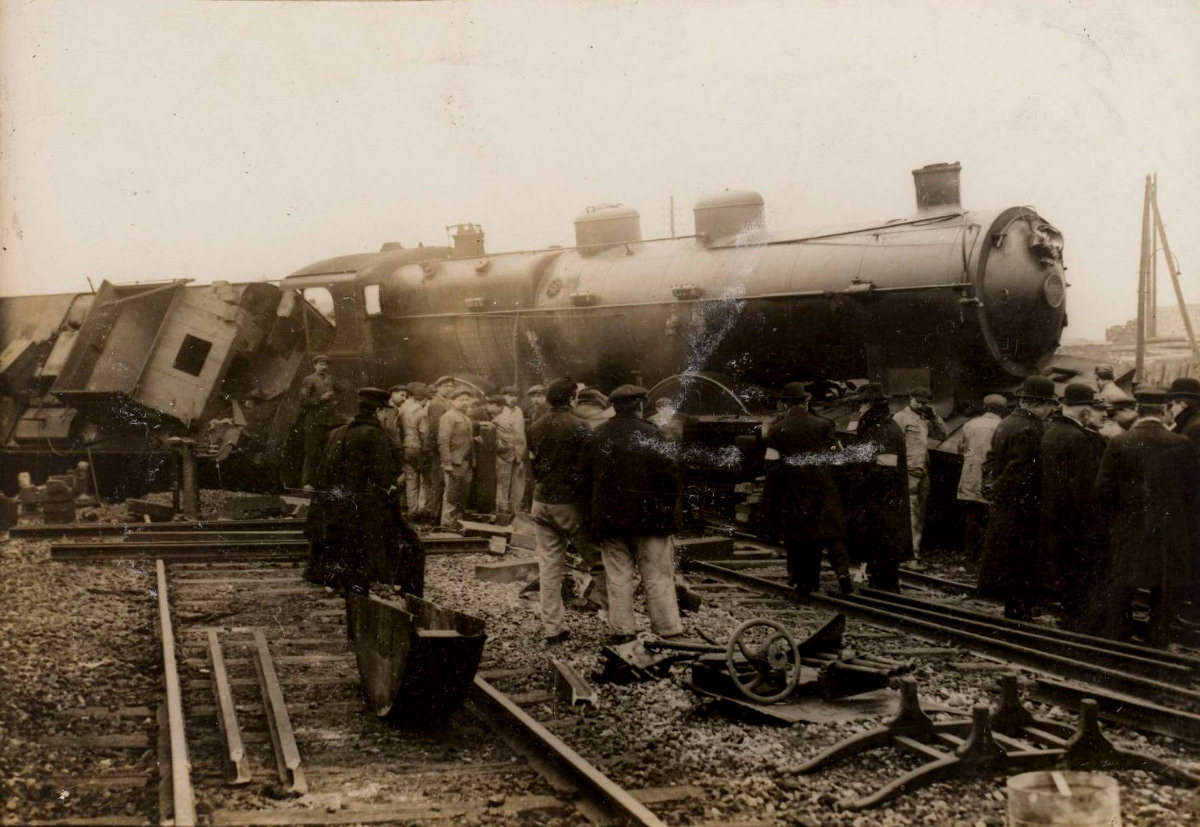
{"type": "Point", "coordinates": [937, 187]}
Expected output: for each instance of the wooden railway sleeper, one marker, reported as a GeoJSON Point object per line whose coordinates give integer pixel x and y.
{"type": "Point", "coordinates": [227, 713]}
{"type": "Point", "coordinates": [283, 739]}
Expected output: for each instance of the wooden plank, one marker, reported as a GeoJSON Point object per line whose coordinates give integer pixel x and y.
{"type": "Point", "coordinates": [105, 712]}
{"type": "Point", "coordinates": [287, 754]}
{"type": "Point", "coordinates": [661, 795]}
{"type": "Point", "coordinates": [138, 740]}
{"type": "Point", "coordinates": [227, 719]}
{"type": "Point", "coordinates": [384, 813]}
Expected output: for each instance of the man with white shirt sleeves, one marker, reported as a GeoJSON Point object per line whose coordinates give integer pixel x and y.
{"type": "Point", "coordinates": [974, 444]}
{"type": "Point", "coordinates": [919, 421]}
{"type": "Point", "coordinates": [509, 424]}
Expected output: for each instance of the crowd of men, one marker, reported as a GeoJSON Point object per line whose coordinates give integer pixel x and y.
{"type": "Point", "coordinates": [1081, 499]}
{"type": "Point", "coordinates": [606, 490]}
{"type": "Point", "coordinates": [1091, 497]}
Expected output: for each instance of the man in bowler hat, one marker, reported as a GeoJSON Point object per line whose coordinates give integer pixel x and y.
{"type": "Point", "coordinates": [806, 509]}
{"type": "Point", "coordinates": [1013, 483]}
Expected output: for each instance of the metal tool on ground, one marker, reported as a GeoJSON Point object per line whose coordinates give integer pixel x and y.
{"type": "Point", "coordinates": [977, 747]}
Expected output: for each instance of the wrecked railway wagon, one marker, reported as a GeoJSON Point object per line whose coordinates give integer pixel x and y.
{"type": "Point", "coordinates": [109, 377]}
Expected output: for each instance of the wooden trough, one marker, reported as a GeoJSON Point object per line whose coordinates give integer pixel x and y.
{"type": "Point", "coordinates": [416, 660]}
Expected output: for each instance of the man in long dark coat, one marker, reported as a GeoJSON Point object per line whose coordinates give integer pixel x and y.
{"type": "Point", "coordinates": [634, 488]}
{"type": "Point", "coordinates": [877, 477]}
{"type": "Point", "coordinates": [807, 510]}
{"type": "Point", "coordinates": [1185, 408]}
{"type": "Point", "coordinates": [1071, 553]}
{"type": "Point", "coordinates": [1148, 485]}
{"type": "Point", "coordinates": [355, 517]}
{"type": "Point", "coordinates": [1013, 482]}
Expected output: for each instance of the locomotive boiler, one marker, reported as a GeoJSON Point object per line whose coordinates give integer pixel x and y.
{"type": "Point", "coordinates": [961, 301]}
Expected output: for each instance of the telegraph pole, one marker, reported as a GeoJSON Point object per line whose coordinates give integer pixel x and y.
{"type": "Point", "coordinates": [1143, 278]}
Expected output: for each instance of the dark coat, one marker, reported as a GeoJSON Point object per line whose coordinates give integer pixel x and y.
{"type": "Point", "coordinates": [1071, 539]}
{"type": "Point", "coordinates": [355, 526]}
{"type": "Point", "coordinates": [634, 480]}
{"type": "Point", "coordinates": [1012, 480]}
{"type": "Point", "coordinates": [804, 499]}
{"type": "Point", "coordinates": [557, 441]}
{"type": "Point", "coordinates": [1147, 488]}
{"type": "Point", "coordinates": [1188, 424]}
{"type": "Point", "coordinates": [881, 531]}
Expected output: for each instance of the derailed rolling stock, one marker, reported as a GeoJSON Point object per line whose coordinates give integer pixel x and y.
{"type": "Point", "coordinates": [961, 301]}
{"type": "Point", "coordinates": [109, 377]}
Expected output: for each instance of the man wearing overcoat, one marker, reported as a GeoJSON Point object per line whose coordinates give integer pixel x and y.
{"type": "Point", "coordinates": [634, 492]}
{"type": "Point", "coordinates": [456, 450]}
{"type": "Point", "coordinates": [807, 509]}
{"type": "Point", "coordinates": [1148, 483]}
{"type": "Point", "coordinates": [1013, 484]}
{"type": "Point", "coordinates": [1072, 561]}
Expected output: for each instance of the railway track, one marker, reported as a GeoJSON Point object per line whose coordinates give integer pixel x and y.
{"type": "Point", "coordinates": [262, 723]}
{"type": "Point", "coordinates": [1146, 688]}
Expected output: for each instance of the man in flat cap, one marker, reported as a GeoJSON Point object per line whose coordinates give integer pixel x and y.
{"type": "Point", "coordinates": [920, 423]}
{"type": "Point", "coordinates": [1071, 552]}
{"type": "Point", "coordinates": [456, 450]}
{"type": "Point", "coordinates": [557, 441]}
{"type": "Point", "coordinates": [511, 451]}
{"type": "Point", "coordinates": [439, 403]}
{"type": "Point", "coordinates": [877, 476]}
{"type": "Point", "coordinates": [1012, 477]}
{"type": "Point", "coordinates": [1149, 481]}
{"type": "Point", "coordinates": [1121, 414]}
{"type": "Point", "coordinates": [354, 525]}
{"type": "Point", "coordinates": [806, 509]}
{"type": "Point", "coordinates": [414, 425]}
{"type": "Point", "coordinates": [632, 515]}
{"type": "Point", "coordinates": [973, 447]}
{"type": "Point", "coordinates": [593, 407]}
{"type": "Point", "coordinates": [320, 396]}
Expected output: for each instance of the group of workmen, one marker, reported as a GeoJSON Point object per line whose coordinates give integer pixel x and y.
{"type": "Point", "coordinates": [1089, 497]}
{"type": "Point", "coordinates": [606, 490]}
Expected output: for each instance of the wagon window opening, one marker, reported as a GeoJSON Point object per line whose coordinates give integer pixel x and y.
{"type": "Point", "coordinates": [192, 355]}
{"type": "Point", "coordinates": [321, 300]}
{"type": "Point", "coordinates": [371, 301]}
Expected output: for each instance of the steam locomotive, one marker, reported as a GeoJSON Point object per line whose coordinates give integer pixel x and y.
{"type": "Point", "coordinates": [960, 301]}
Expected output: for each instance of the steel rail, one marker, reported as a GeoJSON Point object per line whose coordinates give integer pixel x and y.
{"type": "Point", "coordinates": [182, 794]}
{"type": "Point", "coordinates": [1123, 709]}
{"type": "Point", "coordinates": [551, 756]}
{"type": "Point", "coordinates": [1156, 663]}
{"type": "Point", "coordinates": [199, 548]}
{"type": "Point", "coordinates": [1058, 665]}
{"type": "Point", "coordinates": [106, 529]}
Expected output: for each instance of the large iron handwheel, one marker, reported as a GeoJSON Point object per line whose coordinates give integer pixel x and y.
{"type": "Point", "coordinates": [771, 666]}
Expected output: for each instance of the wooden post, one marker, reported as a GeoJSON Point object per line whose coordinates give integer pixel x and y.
{"type": "Point", "coordinates": [1152, 299]}
{"type": "Point", "coordinates": [1173, 267]}
{"type": "Point", "coordinates": [1143, 277]}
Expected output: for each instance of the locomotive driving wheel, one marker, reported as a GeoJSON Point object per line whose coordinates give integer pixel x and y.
{"type": "Point", "coordinates": [769, 667]}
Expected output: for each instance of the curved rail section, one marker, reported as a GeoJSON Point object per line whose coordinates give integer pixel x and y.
{"type": "Point", "coordinates": [555, 760]}
{"type": "Point", "coordinates": [1174, 704]}
{"type": "Point", "coordinates": [182, 795]}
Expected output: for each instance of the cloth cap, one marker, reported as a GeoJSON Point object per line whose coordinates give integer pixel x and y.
{"type": "Point", "coordinates": [496, 399]}
{"type": "Point", "coordinates": [320, 357]}
{"type": "Point", "coordinates": [794, 392]}
{"type": "Point", "coordinates": [560, 391]}
{"type": "Point", "coordinates": [508, 390]}
{"type": "Point", "coordinates": [1185, 387]}
{"type": "Point", "coordinates": [871, 392]}
{"type": "Point", "coordinates": [457, 392]}
{"type": "Point", "coordinates": [418, 391]}
{"type": "Point", "coordinates": [375, 396]}
{"type": "Point", "coordinates": [1040, 388]}
{"type": "Point", "coordinates": [593, 396]}
{"type": "Point", "coordinates": [395, 388]}
{"type": "Point", "coordinates": [443, 380]}
{"type": "Point", "coordinates": [994, 400]}
{"type": "Point", "coordinates": [1104, 371]}
{"type": "Point", "coordinates": [1077, 393]}
{"type": "Point", "coordinates": [625, 393]}
{"type": "Point", "coordinates": [536, 389]}
{"type": "Point", "coordinates": [924, 394]}
{"type": "Point", "coordinates": [1151, 396]}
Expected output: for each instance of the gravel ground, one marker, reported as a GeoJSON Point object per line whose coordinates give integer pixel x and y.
{"type": "Point", "coordinates": [82, 636]}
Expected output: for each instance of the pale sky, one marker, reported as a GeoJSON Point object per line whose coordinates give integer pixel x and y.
{"type": "Point", "coordinates": [243, 140]}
